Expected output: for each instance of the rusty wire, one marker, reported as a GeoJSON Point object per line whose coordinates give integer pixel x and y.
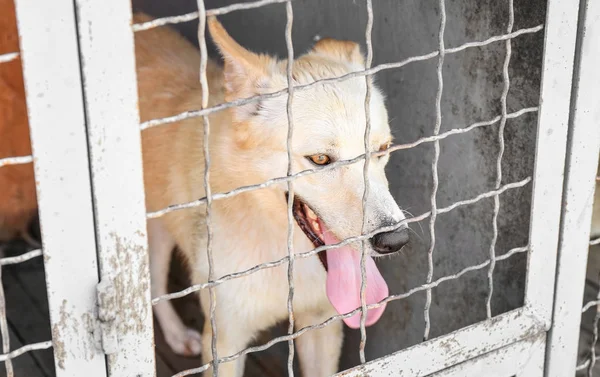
{"type": "Point", "coordinates": [592, 358]}
{"type": "Point", "coordinates": [363, 258]}
{"type": "Point", "coordinates": [207, 189]}
{"type": "Point", "coordinates": [4, 329]}
{"type": "Point", "coordinates": [434, 165]}
{"type": "Point", "coordinates": [15, 160]}
{"type": "Point", "coordinates": [503, 99]}
{"type": "Point", "coordinates": [5, 58]}
{"type": "Point", "coordinates": [590, 361]}
{"type": "Point", "coordinates": [290, 184]}
{"type": "Point", "coordinates": [28, 348]}
{"type": "Point", "coordinates": [21, 258]}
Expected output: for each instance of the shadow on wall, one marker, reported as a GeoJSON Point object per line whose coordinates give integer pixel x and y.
{"type": "Point", "coordinates": [467, 166]}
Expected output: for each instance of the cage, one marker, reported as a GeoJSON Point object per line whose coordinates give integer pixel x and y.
{"type": "Point", "coordinates": [495, 157]}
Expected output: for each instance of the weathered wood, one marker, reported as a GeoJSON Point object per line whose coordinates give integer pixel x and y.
{"type": "Point", "coordinates": [54, 96]}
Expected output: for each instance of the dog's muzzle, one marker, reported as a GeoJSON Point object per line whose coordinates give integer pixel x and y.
{"type": "Point", "coordinates": [390, 242]}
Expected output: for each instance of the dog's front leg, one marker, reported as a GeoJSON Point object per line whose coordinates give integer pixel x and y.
{"type": "Point", "coordinates": [233, 335]}
{"type": "Point", "coordinates": [319, 350]}
{"type": "Point", "coordinates": [182, 340]}
{"type": "Point", "coordinates": [226, 346]}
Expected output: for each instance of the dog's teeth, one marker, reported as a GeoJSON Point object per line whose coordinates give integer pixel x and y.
{"type": "Point", "coordinates": [316, 226]}
{"type": "Point", "coordinates": [311, 215]}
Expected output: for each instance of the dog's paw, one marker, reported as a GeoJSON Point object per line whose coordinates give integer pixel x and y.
{"type": "Point", "coordinates": [184, 341]}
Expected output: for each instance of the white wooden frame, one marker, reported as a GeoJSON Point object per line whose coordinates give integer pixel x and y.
{"type": "Point", "coordinates": [110, 92]}
{"type": "Point", "coordinates": [82, 99]}
{"type": "Point", "coordinates": [58, 135]}
{"type": "Point", "coordinates": [580, 174]}
{"type": "Point", "coordinates": [524, 358]}
{"type": "Point", "coordinates": [90, 186]}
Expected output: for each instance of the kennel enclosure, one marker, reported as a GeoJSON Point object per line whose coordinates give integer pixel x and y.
{"type": "Point", "coordinates": [79, 73]}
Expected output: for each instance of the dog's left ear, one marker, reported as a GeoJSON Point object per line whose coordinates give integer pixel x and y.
{"type": "Point", "coordinates": [345, 51]}
{"type": "Point", "coordinates": [245, 72]}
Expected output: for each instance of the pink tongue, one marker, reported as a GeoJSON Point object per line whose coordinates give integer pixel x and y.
{"type": "Point", "coordinates": [343, 282]}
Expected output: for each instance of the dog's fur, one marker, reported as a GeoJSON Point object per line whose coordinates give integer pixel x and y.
{"type": "Point", "coordinates": [248, 146]}
{"type": "Point", "coordinates": [18, 200]}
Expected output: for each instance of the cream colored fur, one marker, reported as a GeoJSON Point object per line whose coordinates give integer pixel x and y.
{"type": "Point", "coordinates": [248, 146]}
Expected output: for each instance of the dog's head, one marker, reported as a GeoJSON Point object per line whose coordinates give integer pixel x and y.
{"type": "Point", "coordinates": [329, 125]}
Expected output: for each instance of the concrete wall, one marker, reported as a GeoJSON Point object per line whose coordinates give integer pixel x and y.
{"type": "Point", "coordinates": [472, 89]}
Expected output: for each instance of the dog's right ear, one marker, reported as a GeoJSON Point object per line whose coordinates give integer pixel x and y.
{"type": "Point", "coordinates": [346, 51]}
{"type": "Point", "coordinates": [244, 72]}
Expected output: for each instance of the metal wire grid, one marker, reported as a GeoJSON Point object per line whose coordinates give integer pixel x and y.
{"type": "Point", "coordinates": [204, 84]}
{"type": "Point", "coordinates": [363, 259]}
{"type": "Point", "coordinates": [290, 185]}
{"type": "Point", "coordinates": [591, 360]}
{"type": "Point", "coordinates": [435, 138]}
{"type": "Point", "coordinates": [434, 164]}
{"type": "Point", "coordinates": [506, 80]}
{"type": "Point", "coordinates": [596, 241]}
{"type": "Point", "coordinates": [7, 355]}
{"type": "Point", "coordinates": [8, 57]}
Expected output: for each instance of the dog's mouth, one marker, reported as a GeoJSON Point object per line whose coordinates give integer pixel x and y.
{"type": "Point", "coordinates": [308, 221]}
{"type": "Point", "coordinates": [343, 267]}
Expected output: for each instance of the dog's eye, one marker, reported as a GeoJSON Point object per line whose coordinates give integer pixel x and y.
{"type": "Point", "coordinates": [384, 147]}
{"type": "Point", "coordinates": [320, 159]}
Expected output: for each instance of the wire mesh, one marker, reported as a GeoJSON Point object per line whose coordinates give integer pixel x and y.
{"type": "Point", "coordinates": [290, 184]}
{"type": "Point", "coordinates": [4, 58]}
{"type": "Point", "coordinates": [434, 164]}
{"type": "Point", "coordinates": [505, 89]}
{"type": "Point", "coordinates": [207, 189]}
{"type": "Point", "coordinates": [436, 137]}
{"type": "Point", "coordinates": [589, 364]}
{"type": "Point", "coordinates": [590, 360]}
{"type": "Point", "coordinates": [378, 68]}
{"type": "Point", "coordinates": [390, 298]}
{"type": "Point", "coordinates": [363, 259]}
{"type": "Point", "coordinates": [7, 354]}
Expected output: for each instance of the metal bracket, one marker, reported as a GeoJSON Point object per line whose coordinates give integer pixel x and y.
{"type": "Point", "coordinates": [107, 335]}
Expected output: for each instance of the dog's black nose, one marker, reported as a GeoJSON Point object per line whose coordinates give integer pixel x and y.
{"type": "Point", "coordinates": [390, 242]}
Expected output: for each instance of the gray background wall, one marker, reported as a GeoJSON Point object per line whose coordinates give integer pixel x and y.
{"type": "Point", "coordinates": [472, 89]}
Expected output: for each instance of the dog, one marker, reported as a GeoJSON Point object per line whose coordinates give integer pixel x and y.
{"type": "Point", "coordinates": [248, 147]}
{"type": "Point", "coordinates": [18, 199]}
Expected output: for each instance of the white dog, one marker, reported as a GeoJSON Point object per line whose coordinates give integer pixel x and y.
{"type": "Point", "coordinates": [248, 146]}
